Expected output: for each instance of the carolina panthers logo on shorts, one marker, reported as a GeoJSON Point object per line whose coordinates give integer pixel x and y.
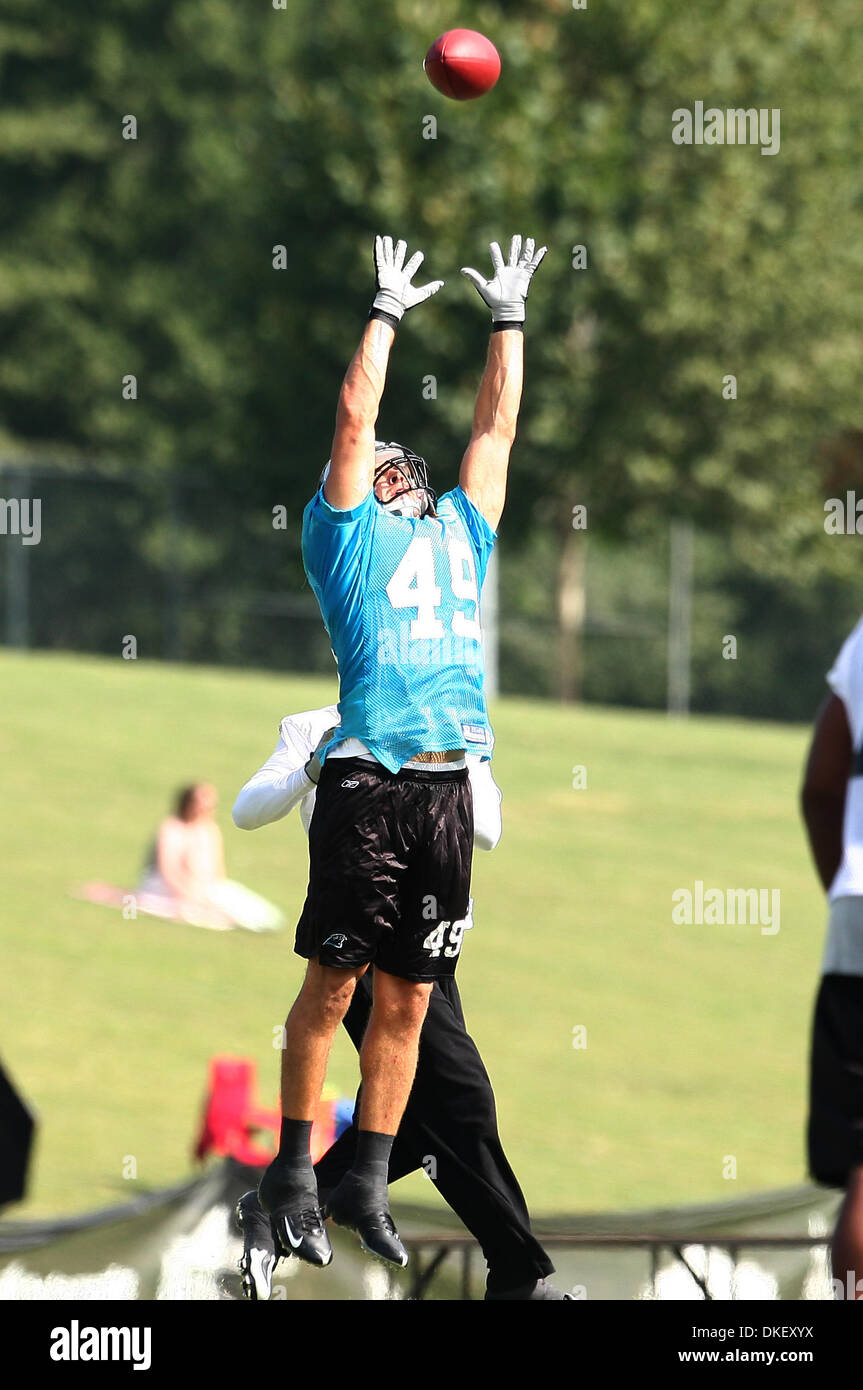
{"type": "Point", "coordinates": [338, 940]}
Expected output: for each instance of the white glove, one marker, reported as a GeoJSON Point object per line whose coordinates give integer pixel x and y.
{"type": "Point", "coordinates": [506, 293]}
{"type": "Point", "coordinates": [395, 293]}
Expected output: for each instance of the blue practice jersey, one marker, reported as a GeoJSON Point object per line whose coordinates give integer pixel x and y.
{"type": "Point", "coordinates": [400, 600]}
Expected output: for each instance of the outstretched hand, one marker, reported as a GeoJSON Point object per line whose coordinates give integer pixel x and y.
{"type": "Point", "coordinates": [506, 292]}
{"type": "Point", "coordinates": [395, 293]}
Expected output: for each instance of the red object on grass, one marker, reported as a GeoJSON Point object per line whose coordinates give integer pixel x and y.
{"type": "Point", "coordinates": [235, 1126]}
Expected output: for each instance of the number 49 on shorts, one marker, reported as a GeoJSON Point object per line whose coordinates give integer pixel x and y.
{"type": "Point", "coordinates": [447, 937]}
{"type": "Point", "coordinates": [434, 942]}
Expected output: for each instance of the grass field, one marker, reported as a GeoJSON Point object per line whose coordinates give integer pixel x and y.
{"type": "Point", "coordinates": [696, 1035]}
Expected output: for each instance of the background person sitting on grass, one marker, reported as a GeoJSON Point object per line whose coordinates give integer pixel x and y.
{"type": "Point", "coordinates": [185, 871]}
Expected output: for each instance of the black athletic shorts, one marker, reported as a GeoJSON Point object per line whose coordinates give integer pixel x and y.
{"type": "Point", "coordinates": [835, 1132]}
{"type": "Point", "coordinates": [389, 869]}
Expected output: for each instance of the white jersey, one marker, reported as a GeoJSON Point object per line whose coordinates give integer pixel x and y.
{"type": "Point", "coordinates": [843, 951]}
{"type": "Point", "coordinates": [282, 782]}
{"type": "Point", "coordinates": [845, 679]}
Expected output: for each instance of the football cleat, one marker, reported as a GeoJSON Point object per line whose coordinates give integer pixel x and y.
{"type": "Point", "coordinates": [290, 1198]}
{"type": "Point", "coordinates": [259, 1256]}
{"type": "Point", "coordinates": [375, 1228]}
{"type": "Point", "coordinates": [301, 1232]}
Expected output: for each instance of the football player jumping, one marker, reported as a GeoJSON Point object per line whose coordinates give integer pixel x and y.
{"type": "Point", "coordinates": [397, 573]}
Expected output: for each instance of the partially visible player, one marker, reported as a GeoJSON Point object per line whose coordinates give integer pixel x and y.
{"type": "Point", "coordinates": [450, 1114]}
{"type": "Point", "coordinates": [832, 800]}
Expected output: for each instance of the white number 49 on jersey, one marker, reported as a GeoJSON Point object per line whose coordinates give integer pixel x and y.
{"type": "Point", "coordinates": [413, 585]}
{"type": "Point", "coordinates": [447, 936]}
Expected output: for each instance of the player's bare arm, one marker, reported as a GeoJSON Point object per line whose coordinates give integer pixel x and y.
{"type": "Point", "coordinates": [352, 461]}
{"type": "Point", "coordinates": [825, 781]}
{"type": "Point", "coordinates": [486, 460]}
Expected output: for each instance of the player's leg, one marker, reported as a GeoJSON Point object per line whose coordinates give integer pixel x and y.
{"type": "Point", "coordinates": [388, 1058]}
{"type": "Point", "coordinates": [430, 833]}
{"type": "Point", "coordinates": [473, 1174]}
{"type": "Point", "coordinates": [449, 1129]}
{"type": "Point", "coordinates": [451, 1121]}
{"type": "Point", "coordinates": [261, 1246]}
{"type": "Point", "coordinates": [310, 1027]}
{"type": "Point", "coordinates": [847, 1248]}
{"type": "Point", "coordinates": [405, 1158]}
{"type": "Point", "coordinates": [351, 889]}
{"type": "Point", "coordinates": [288, 1190]}
{"type": "Point", "coordinates": [339, 1157]}
{"type": "Point", "coordinates": [475, 1177]}
{"type": "Point", "coordinates": [835, 1130]}
{"type": "Point", "coordinates": [483, 1192]}
{"type": "Point", "coordinates": [451, 1116]}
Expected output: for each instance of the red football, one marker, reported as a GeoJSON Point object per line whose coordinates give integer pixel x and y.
{"type": "Point", "coordinates": [462, 64]}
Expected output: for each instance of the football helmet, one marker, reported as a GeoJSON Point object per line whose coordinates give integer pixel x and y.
{"type": "Point", "coordinates": [417, 498]}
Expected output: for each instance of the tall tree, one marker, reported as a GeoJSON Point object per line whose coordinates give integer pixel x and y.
{"type": "Point", "coordinates": [313, 127]}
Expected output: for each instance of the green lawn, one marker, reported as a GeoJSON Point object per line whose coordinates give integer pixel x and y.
{"type": "Point", "coordinates": [696, 1035]}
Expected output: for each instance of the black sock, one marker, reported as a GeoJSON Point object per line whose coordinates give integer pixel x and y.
{"type": "Point", "coordinates": [371, 1164]}
{"type": "Point", "coordinates": [290, 1176]}
{"type": "Point", "coordinates": [294, 1142]}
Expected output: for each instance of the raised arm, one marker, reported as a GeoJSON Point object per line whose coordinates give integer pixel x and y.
{"type": "Point", "coordinates": [352, 461]}
{"type": "Point", "coordinates": [486, 460]}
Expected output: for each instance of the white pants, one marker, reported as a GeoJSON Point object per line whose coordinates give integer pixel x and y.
{"type": "Point", "coordinates": [228, 904]}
